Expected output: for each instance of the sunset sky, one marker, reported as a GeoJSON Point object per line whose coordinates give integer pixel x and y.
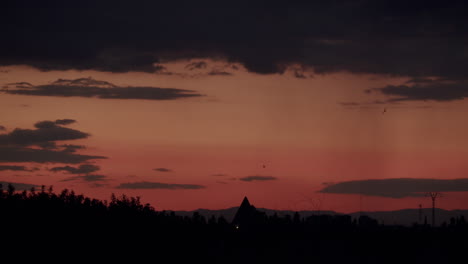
{"type": "Point", "coordinates": [344, 106]}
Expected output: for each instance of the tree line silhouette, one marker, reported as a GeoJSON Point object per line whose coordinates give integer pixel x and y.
{"type": "Point", "coordinates": [42, 220]}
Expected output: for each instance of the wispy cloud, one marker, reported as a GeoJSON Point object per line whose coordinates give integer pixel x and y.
{"type": "Point", "coordinates": [397, 188]}
{"type": "Point", "coordinates": [163, 170]}
{"type": "Point", "coordinates": [88, 178]}
{"type": "Point", "coordinates": [158, 185]}
{"type": "Point", "coordinates": [219, 175]}
{"type": "Point", "coordinates": [219, 73]}
{"type": "Point", "coordinates": [258, 178]}
{"type": "Point", "coordinates": [83, 168]}
{"type": "Point", "coordinates": [90, 88]}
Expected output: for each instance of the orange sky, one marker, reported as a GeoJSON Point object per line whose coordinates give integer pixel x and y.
{"type": "Point", "coordinates": [295, 127]}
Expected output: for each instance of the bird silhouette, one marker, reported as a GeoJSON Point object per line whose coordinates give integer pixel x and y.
{"type": "Point", "coordinates": [384, 110]}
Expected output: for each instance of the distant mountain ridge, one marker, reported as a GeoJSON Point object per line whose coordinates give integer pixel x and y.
{"type": "Point", "coordinates": [404, 217]}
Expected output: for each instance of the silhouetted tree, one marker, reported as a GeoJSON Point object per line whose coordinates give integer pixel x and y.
{"type": "Point", "coordinates": [11, 189]}
{"type": "Point", "coordinates": [127, 225]}
{"type": "Point", "coordinates": [212, 220]}
{"type": "Point", "coordinates": [296, 218]}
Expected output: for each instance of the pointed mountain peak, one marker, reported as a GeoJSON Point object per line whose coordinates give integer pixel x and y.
{"type": "Point", "coordinates": [245, 212]}
{"type": "Point", "coordinates": [245, 202]}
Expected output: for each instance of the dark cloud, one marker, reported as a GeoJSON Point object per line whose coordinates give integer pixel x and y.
{"type": "Point", "coordinates": [82, 169]}
{"type": "Point", "coordinates": [162, 70]}
{"type": "Point", "coordinates": [397, 188]}
{"type": "Point", "coordinates": [88, 178]}
{"type": "Point", "coordinates": [219, 175]}
{"type": "Point", "coordinates": [20, 145]}
{"type": "Point", "coordinates": [23, 154]}
{"type": "Point", "coordinates": [397, 37]}
{"type": "Point", "coordinates": [257, 178]}
{"type": "Point", "coordinates": [2, 128]}
{"type": "Point", "coordinates": [70, 148]}
{"type": "Point", "coordinates": [425, 89]}
{"type": "Point", "coordinates": [47, 145]}
{"type": "Point", "coordinates": [46, 131]}
{"type": "Point", "coordinates": [158, 185]}
{"type": "Point", "coordinates": [15, 168]}
{"type": "Point", "coordinates": [51, 145]}
{"type": "Point", "coordinates": [196, 65]}
{"type": "Point", "coordinates": [90, 88]}
{"type": "Point", "coordinates": [163, 170]}
{"type": "Point", "coordinates": [45, 124]}
{"type": "Point", "coordinates": [18, 186]}
{"type": "Point", "coordinates": [64, 121]}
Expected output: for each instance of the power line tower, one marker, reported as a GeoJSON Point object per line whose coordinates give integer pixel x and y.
{"type": "Point", "coordinates": [434, 196]}
{"type": "Point", "coordinates": [420, 213]}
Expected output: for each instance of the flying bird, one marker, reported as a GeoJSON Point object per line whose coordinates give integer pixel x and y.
{"type": "Point", "coordinates": [384, 110]}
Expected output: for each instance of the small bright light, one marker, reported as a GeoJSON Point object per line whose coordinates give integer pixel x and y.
{"type": "Point", "coordinates": [237, 227]}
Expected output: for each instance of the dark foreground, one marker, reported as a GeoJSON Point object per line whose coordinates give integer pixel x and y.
{"type": "Point", "coordinates": [44, 225]}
